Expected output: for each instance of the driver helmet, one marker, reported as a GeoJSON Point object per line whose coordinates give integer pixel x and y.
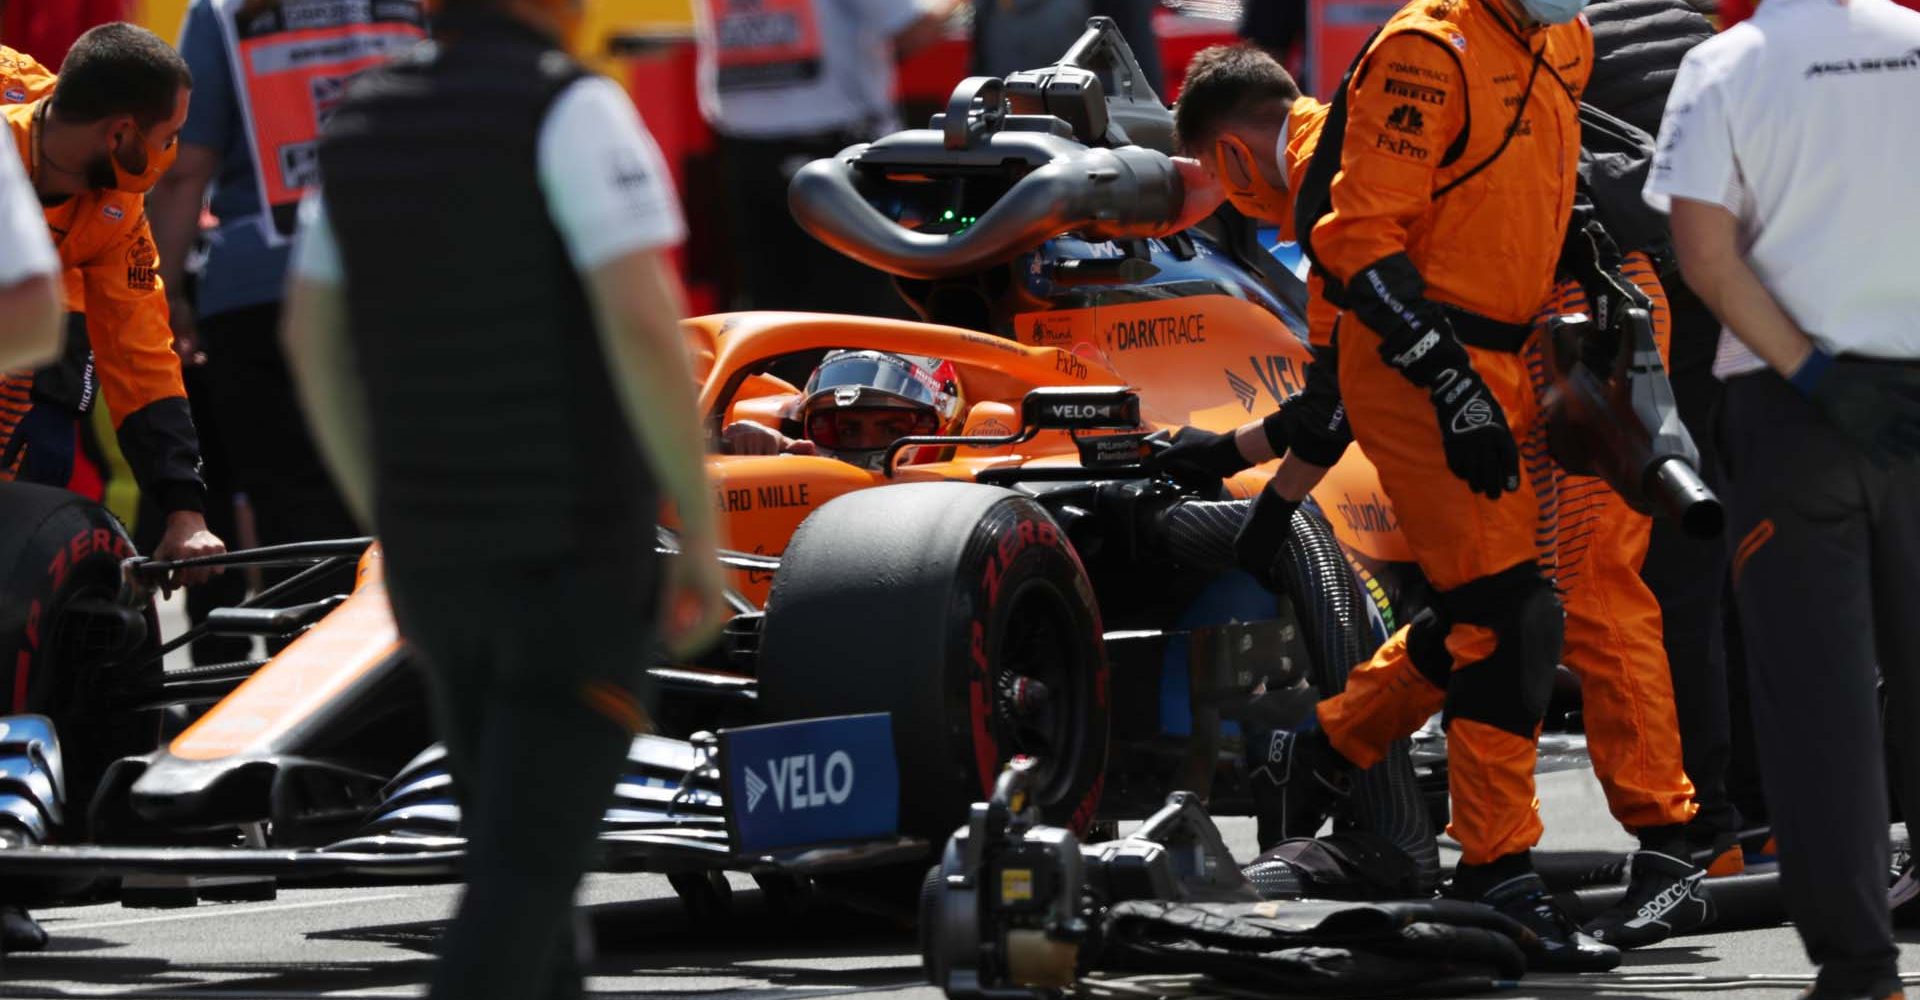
{"type": "Point", "coordinates": [858, 403]}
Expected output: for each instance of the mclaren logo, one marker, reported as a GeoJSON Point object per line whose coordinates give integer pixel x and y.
{"type": "Point", "coordinates": [802, 782]}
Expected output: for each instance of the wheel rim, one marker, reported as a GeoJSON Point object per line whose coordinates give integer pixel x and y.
{"type": "Point", "coordinates": [1040, 680]}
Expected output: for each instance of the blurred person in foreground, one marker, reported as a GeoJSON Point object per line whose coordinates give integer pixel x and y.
{"type": "Point", "coordinates": [29, 275]}
{"type": "Point", "coordinates": [482, 329]}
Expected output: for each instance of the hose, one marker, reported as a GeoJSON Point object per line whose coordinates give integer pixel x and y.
{"type": "Point", "coordinates": [1386, 798]}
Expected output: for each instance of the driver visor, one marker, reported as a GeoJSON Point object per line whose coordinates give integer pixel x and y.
{"type": "Point", "coordinates": [885, 373]}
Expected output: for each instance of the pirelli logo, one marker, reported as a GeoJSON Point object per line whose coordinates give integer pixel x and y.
{"type": "Point", "coordinates": [1415, 91]}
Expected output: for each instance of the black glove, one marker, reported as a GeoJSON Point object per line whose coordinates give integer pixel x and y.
{"type": "Point", "coordinates": [1313, 422]}
{"type": "Point", "coordinates": [1263, 535]}
{"type": "Point", "coordinates": [1417, 341]}
{"type": "Point", "coordinates": [1200, 456]}
{"type": "Point", "coordinates": [1877, 405]}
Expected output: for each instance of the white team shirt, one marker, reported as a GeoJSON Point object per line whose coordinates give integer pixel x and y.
{"type": "Point", "coordinates": [605, 181]}
{"type": "Point", "coordinates": [1804, 122]}
{"type": "Point", "coordinates": [26, 250]}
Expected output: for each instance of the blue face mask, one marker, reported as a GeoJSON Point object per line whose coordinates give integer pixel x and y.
{"type": "Point", "coordinates": [1553, 11]}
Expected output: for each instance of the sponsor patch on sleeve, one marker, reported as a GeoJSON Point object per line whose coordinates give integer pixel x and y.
{"type": "Point", "coordinates": [1410, 90]}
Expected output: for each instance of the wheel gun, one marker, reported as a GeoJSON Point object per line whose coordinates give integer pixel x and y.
{"type": "Point", "coordinates": [1621, 424]}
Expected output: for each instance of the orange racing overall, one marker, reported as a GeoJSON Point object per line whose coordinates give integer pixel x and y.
{"type": "Point", "coordinates": [113, 276]}
{"type": "Point", "coordinates": [1459, 157]}
{"type": "Point", "coordinates": [1593, 543]}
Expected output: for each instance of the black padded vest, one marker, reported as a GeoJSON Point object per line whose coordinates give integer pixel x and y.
{"type": "Point", "coordinates": [497, 433]}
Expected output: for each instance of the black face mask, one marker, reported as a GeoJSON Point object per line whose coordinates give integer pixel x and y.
{"type": "Point", "coordinates": [100, 175]}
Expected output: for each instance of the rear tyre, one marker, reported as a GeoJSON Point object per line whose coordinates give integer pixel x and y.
{"type": "Point", "coordinates": [1386, 798]}
{"type": "Point", "coordinates": [65, 637]}
{"type": "Point", "coordinates": [961, 610]}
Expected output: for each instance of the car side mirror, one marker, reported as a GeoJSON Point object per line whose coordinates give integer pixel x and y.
{"type": "Point", "coordinates": [1078, 408]}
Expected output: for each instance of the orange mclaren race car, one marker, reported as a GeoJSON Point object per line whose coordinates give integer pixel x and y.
{"type": "Point", "coordinates": [998, 572]}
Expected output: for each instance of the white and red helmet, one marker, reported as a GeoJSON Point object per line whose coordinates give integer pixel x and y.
{"type": "Point", "coordinates": [858, 403]}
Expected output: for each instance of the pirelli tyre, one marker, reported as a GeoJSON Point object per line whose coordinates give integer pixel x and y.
{"type": "Point", "coordinates": [69, 642]}
{"type": "Point", "coordinates": [962, 610]}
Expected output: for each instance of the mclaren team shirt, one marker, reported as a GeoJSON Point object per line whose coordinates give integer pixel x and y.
{"type": "Point", "coordinates": [1803, 122]}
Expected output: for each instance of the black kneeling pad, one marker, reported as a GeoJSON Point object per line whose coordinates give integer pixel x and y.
{"type": "Point", "coordinates": [1319, 948]}
{"type": "Point", "coordinates": [1350, 865]}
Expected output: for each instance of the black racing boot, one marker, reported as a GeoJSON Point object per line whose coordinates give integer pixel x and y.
{"type": "Point", "coordinates": [1665, 896]}
{"type": "Point", "coordinates": [1554, 943]}
{"type": "Point", "coordinates": [1296, 774]}
{"type": "Point", "coordinates": [19, 931]}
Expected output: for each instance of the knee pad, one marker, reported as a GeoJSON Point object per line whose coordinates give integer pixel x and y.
{"type": "Point", "coordinates": [1511, 687]}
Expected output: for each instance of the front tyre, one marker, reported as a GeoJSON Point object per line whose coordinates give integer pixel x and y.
{"type": "Point", "coordinates": [961, 610]}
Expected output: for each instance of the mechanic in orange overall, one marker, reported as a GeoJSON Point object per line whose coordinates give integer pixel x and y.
{"type": "Point", "coordinates": [1236, 99]}
{"type": "Point", "coordinates": [1457, 161]}
{"type": "Point", "coordinates": [92, 147]}
{"type": "Point", "coordinates": [1590, 540]}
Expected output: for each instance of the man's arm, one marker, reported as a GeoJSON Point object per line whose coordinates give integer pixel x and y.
{"type": "Point", "coordinates": [173, 210]}
{"type": "Point", "coordinates": [30, 322]}
{"type": "Point", "coordinates": [141, 384]}
{"type": "Point", "coordinates": [636, 300]}
{"type": "Point", "coordinates": [30, 291]}
{"type": "Point", "coordinates": [1706, 239]}
{"type": "Point", "coordinates": [320, 359]}
{"type": "Point", "coordinates": [1402, 114]}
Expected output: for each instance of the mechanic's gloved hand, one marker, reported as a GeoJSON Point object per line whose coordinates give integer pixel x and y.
{"type": "Point", "coordinates": [1263, 535]}
{"type": "Point", "coordinates": [1312, 423]}
{"type": "Point", "coordinates": [1473, 430]}
{"type": "Point", "coordinates": [1417, 341]}
{"type": "Point", "coordinates": [1876, 405]}
{"type": "Point", "coordinates": [1200, 456]}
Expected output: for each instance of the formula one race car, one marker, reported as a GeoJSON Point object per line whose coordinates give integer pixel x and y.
{"type": "Point", "coordinates": [1017, 581]}
{"type": "Point", "coordinates": [1014, 580]}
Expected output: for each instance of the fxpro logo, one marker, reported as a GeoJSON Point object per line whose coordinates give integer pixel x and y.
{"type": "Point", "coordinates": [801, 782]}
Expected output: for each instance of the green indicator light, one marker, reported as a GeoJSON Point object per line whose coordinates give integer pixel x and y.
{"type": "Point", "coordinates": [947, 217]}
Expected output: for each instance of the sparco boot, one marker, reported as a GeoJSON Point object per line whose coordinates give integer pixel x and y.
{"type": "Point", "coordinates": [1665, 896]}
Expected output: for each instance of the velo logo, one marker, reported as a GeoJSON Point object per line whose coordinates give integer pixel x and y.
{"type": "Point", "coordinates": [814, 781]}
{"type": "Point", "coordinates": [801, 782]}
